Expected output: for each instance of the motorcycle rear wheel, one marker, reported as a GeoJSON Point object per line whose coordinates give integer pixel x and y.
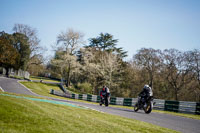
{"type": "Point", "coordinates": [106, 102]}
{"type": "Point", "coordinates": [148, 109]}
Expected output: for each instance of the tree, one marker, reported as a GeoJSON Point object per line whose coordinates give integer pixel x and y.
{"type": "Point", "coordinates": [16, 44]}
{"type": "Point", "coordinates": [35, 65]}
{"type": "Point", "coordinates": [108, 65]}
{"type": "Point", "coordinates": [67, 64]}
{"type": "Point", "coordinates": [33, 40]}
{"type": "Point", "coordinates": [20, 42]}
{"type": "Point", "coordinates": [100, 68]}
{"type": "Point", "coordinates": [105, 42]}
{"type": "Point", "coordinates": [89, 67]}
{"type": "Point", "coordinates": [9, 57]}
{"type": "Point", "coordinates": [36, 50]}
{"type": "Point", "coordinates": [150, 60]}
{"type": "Point", "coordinates": [101, 62]}
{"type": "Point", "coordinates": [176, 70]}
{"type": "Point", "coordinates": [70, 41]}
{"type": "Point", "coordinates": [194, 65]}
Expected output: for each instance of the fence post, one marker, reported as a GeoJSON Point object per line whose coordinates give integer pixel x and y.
{"type": "Point", "coordinates": [172, 106]}
{"type": "Point", "coordinates": [113, 100]}
{"type": "Point", "coordinates": [98, 99]}
{"type": "Point", "coordinates": [198, 108]}
{"type": "Point", "coordinates": [89, 97]}
{"type": "Point", "coordinates": [80, 96]}
{"type": "Point", "coordinates": [127, 102]}
{"type": "Point", "coordinates": [73, 96]}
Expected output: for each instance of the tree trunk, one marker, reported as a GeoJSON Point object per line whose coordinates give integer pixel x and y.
{"type": "Point", "coordinates": [151, 79]}
{"type": "Point", "coordinates": [110, 79]}
{"type": "Point", "coordinates": [7, 70]}
{"type": "Point", "coordinates": [68, 77]}
{"type": "Point", "coordinates": [151, 83]}
{"type": "Point", "coordinates": [176, 94]}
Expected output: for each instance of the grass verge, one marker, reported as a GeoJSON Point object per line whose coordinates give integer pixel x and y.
{"type": "Point", "coordinates": [40, 88]}
{"type": "Point", "coordinates": [22, 115]}
{"type": "Point", "coordinates": [44, 89]}
{"type": "Point", "coordinates": [193, 116]}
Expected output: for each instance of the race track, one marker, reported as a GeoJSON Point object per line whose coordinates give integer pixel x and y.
{"type": "Point", "coordinates": [182, 124]}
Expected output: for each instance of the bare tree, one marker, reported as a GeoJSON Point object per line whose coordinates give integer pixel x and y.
{"type": "Point", "coordinates": [150, 60]}
{"type": "Point", "coordinates": [31, 33]}
{"type": "Point", "coordinates": [70, 40]}
{"type": "Point", "coordinates": [193, 58]}
{"type": "Point", "coordinates": [176, 70]}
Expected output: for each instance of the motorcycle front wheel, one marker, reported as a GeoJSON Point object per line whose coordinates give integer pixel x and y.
{"type": "Point", "coordinates": [136, 108]}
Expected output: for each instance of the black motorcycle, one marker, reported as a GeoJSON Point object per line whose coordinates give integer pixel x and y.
{"type": "Point", "coordinates": [146, 105]}
{"type": "Point", "coordinates": [104, 100]}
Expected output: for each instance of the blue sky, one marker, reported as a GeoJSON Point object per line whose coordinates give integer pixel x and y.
{"type": "Point", "coordinates": [158, 24]}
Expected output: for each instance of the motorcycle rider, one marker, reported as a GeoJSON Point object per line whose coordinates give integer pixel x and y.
{"type": "Point", "coordinates": [105, 93]}
{"type": "Point", "coordinates": [146, 93]}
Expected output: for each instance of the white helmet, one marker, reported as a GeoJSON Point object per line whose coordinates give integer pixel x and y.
{"type": "Point", "coordinates": [146, 87]}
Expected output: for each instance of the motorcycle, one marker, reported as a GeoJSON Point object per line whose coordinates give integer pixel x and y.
{"type": "Point", "coordinates": [104, 100]}
{"type": "Point", "coordinates": [147, 105]}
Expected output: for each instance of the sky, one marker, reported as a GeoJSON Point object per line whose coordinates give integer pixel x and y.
{"type": "Point", "coordinates": [158, 24]}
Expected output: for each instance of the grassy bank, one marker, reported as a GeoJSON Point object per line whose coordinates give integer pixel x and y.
{"type": "Point", "coordinates": [22, 115]}
{"type": "Point", "coordinates": [44, 89]}
{"type": "Point", "coordinates": [41, 88]}
{"type": "Point", "coordinates": [44, 79]}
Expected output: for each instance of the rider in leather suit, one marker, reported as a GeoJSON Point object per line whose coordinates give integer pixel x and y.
{"type": "Point", "coordinates": [105, 92]}
{"type": "Point", "coordinates": [146, 93]}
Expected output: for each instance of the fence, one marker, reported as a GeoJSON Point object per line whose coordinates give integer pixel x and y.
{"type": "Point", "coordinates": [175, 106]}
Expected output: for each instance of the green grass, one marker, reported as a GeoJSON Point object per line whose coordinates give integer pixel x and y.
{"type": "Point", "coordinates": [44, 79]}
{"type": "Point", "coordinates": [16, 77]}
{"type": "Point", "coordinates": [22, 115]}
{"type": "Point", "coordinates": [44, 89]}
{"type": "Point", "coordinates": [41, 88]}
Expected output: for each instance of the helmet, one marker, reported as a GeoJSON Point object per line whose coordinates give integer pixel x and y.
{"type": "Point", "coordinates": [146, 87]}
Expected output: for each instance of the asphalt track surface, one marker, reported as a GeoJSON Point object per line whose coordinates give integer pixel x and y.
{"type": "Point", "coordinates": [181, 124]}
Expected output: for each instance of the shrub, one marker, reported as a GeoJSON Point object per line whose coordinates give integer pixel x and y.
{"type": "Point", "coordinates": [85, 87]}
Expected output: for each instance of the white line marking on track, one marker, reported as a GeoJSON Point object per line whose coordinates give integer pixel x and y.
{"type": "Point", "coordinates": [1, 89]}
